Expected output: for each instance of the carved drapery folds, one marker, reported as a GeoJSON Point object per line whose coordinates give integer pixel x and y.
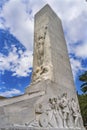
{"type": "Point", "coordinates": [75, 112]}
{"type": "Point", "coordinates": [43, 68]}
{"type": "Point", "coordinates": [42, 72]}
{"type": "Point", "coordinates": [40, 47]}
{"type": "Point", "coordinates": [60, 112]}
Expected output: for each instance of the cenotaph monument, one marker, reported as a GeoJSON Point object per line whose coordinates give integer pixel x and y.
{"type": "Point", "coordinates": [50, 102]}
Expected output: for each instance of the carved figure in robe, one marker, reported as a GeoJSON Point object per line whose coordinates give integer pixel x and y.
{"type": "Point", "coordinates": [57, 113]}
{"type": "Point", "coordinates": [75, 113]}
{"type": "Point", "coordinates": [51, 113]}
{"type": "Point", "coordinates": [44, 115]}
{"type": "Point", "coordinates": [55, 119]}
{"type": "Point", "coordinates": [47, 118]}
{"type": "Point", "coordinates": [38, 112]}
{"type": "Point", "coordinates": [40, 50]}
{"type": "Point", "coordinates": [65, 109]}
{"type": "Point", "coordinates": [40, 47]}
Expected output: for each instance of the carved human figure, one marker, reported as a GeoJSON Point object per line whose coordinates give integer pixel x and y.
{"type": "Point", "coordinates": [42, 72]}
{"type": "Point", "coordinates": [47, 118]}
{"type": "Point", "coordinates": [57, 113]}
{"type": "Point", "coordinates": [38, 111]}
{"type": "Point", "coordinates": [51, 116]}
{"type": "Point", "coordinates": [42, 115]}
{"type": "Point", "coordinates": [40, 47]}
{"type": "Point", "coordinates": [53, 120]}
{"type": "Point", "coordinates": [33, 123]}
{"type": "Point", "coordinates": [60, 114]}
{"type": "Point", "coordinates": [75, 113]}
{"type": "Point", "coordinates": [54, 114]}
{"type": "Point", "coordinates": [40, 50]}
{"type": "Point", "coordinates": [43, 69]}
{"type": "Point", "coordinates": [65, 109]}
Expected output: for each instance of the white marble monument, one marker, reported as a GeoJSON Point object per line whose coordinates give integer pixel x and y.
{"type": "Point", "coordinates": [50, 102]}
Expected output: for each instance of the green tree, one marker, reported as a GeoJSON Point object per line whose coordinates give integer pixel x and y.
{"type": "Point", "coordinates": [83, 78]}
{"type": "Point", "coordinates": [83, 98]}
{"type": "Point", "coordinates": [83, 106]}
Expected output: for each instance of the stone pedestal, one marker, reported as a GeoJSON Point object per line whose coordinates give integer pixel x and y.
{"type": "Point", "coordinates": [27, 128]}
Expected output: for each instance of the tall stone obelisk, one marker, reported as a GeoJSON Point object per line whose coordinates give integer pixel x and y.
{"type": "Point", "coordinates": [59, 107]}
{"type": "Point", "coordinates": [51, 60]}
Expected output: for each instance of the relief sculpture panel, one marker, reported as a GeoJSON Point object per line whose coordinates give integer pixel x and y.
{"type": "Point", "coordinates": [42, 70]}
{"type": "Point", "coordinates": [59, 112]}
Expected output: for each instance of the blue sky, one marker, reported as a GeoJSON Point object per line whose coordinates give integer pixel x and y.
{"type": "Point", "coordinates": [16, 40]}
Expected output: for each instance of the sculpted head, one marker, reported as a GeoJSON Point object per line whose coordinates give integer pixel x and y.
{"type": "Point", "coordinates": [64, 95]}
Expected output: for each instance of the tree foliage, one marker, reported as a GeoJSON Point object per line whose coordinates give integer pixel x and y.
{"type": "Point", "coordinates": [83, 106]}
{"type": "Point", "coordinates": [83, 78]}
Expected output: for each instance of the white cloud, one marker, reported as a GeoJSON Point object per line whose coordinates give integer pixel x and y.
{"type": "Point", "coordinates": [76, 66]}
{"type": "Point", "coordinates": [73, 14]}
{"type": "Point", "coordinates": [76, 29]}
{"type": "Point", "coordinates": [11, 93]}
{"type": "Point", "coordinates": [19, 22]}
{"type": "Point", "coordinates": [23, 65]}
{"type": "Point", "coordinates": [18, 65]}
{"type": "Point", "coordinates": [81, 51]}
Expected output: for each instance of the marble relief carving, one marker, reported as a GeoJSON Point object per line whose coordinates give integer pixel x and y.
{"type": "Point", "coordinates": [57, 113]}
{"type": "Point", "coordinates": [40, 47]}
{"type": "Point", "coordinates": [43, 70]}
{"type": "Point", "coordinates": [75, 113]}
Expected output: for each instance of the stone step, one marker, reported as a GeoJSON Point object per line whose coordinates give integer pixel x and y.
{"type": "Point", "coordinates": [31, 128]}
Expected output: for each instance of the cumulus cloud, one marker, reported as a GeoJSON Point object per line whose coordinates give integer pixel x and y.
{"type": "Point", "coordinates": [74, 19]}
{"type": "Point", "coordinates": [81, 50]}
{"type": "Point", "coordinates": [76, 66]}
{"type": "Point", "coordinates": [11, 93]}
{"type": "Point", "coordinates": [21, 20]}
{"type": "Point", "coordinates": [20, 66]}
{"type": "Point", "coordinates": [76, 29]}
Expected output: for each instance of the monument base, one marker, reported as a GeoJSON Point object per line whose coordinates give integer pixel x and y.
{"type": "Point", "coordinates": [31, 128]}
{"type": "Point", "coordinates": [35, 110]}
